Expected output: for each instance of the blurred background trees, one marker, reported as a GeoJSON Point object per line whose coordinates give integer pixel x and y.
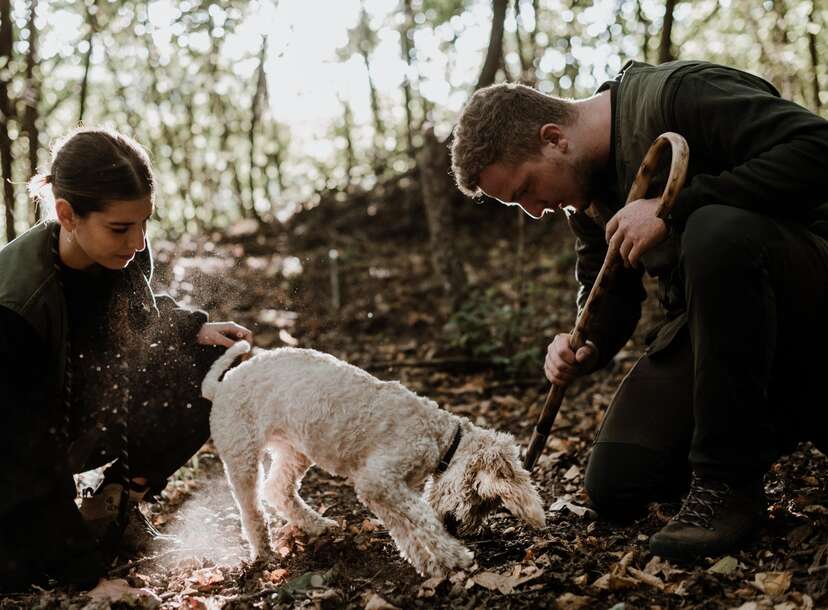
{"type": "Point", "coordinates": [253, 109]}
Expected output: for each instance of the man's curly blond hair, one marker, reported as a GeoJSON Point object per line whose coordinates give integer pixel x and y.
{"type": "Point", "coordinates": [501, 123]}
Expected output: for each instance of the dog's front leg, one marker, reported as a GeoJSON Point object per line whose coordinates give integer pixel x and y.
{"type": "Point", "coordinates": [420, 537]}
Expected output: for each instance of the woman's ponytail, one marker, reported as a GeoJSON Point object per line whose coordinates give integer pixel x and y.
{"type": "Point", "coordinates": [40, 192]}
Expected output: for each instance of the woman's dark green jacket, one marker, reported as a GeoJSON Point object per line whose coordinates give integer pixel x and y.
{"type": "Point", "coordinates": [35, 471]}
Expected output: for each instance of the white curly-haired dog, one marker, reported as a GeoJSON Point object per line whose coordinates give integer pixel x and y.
{"type": "Point", "coordinates": [414, 465]}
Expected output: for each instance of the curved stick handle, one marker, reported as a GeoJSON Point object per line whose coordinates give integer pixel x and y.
{"type": "Point", "coordinates": [577, 338]}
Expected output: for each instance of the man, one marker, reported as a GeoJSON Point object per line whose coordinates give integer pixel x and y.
{"type": "Point", "coordinates": [730, 379]}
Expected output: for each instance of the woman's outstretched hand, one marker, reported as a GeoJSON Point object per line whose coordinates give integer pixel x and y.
{"type": "Point", "coordinates": [223, 333]}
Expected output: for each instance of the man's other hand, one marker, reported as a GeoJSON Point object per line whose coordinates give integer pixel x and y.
{"type": "Point", "coordinates": [635, 229]}
{"type": "Point", "coordinates": [562, 364]}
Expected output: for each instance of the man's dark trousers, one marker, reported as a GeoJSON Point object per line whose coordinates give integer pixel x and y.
{"type": "Point", "coordinates": [739, 385]}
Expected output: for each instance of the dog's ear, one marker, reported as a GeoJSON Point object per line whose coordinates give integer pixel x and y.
{"type": "Point", "coordinates": [524, 502]}
{"type": "Point", "coordinates": [516, 492]}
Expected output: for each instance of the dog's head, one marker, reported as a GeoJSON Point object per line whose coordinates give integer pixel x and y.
{"type": "Point", "coordinates": [484, 473]}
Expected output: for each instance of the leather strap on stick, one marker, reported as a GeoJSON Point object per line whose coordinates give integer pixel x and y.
{"type": "Point", "coordinates": [577, 338]}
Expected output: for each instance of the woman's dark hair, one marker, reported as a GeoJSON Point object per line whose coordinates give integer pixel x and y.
{"type": "Point", "coordinates": [92, 167]}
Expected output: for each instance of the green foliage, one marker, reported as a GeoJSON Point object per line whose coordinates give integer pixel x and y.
{"type": "Point", "coordinates": [441, 11]}
{"type": "Point", "coordinates": [489, 326]}
{"type": "Point", "coordinates": [176, 77]}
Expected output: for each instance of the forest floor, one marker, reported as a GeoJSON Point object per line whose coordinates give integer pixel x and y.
{"type": "Point", "coordinates": [391, 320]}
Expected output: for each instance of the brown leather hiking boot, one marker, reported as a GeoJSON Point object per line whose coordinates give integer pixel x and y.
{"type": "Point", "coordinates": [101, 509]}
{"type": "Point", "coordinates": [715, 518]}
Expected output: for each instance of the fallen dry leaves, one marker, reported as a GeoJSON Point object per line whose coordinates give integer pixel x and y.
{"type": "Point", "coordinates": [205, 579]}
{"type": "Point", "coordinates": [773, 583]}
{"type": "Point", "coordinates": [726, 565]}
{"type": "Point", "coordinates": [119, 591]}
{"type": "Point", "coordinates": [429, 586]}
{"type": "Point", "coordinates": [565, 503]}
{"type": "Point", "coordinates": [375, 602]}
{"type": "Point", "coordinates": [570, 601]}
{"type": "Point", "coordinates": [505, 582]}
{"type": "Point", "coordinates": [625, 576]}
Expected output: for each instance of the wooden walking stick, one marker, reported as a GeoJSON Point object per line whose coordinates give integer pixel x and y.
{"type": "Point", "coordinates": [577, 338]}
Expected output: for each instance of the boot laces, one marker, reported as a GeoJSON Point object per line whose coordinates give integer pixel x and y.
{"type": "Point", "coordinates": [702, 500]}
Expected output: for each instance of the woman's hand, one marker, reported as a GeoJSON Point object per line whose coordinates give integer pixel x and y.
{"type": "Point", "coordinates": [223, 333]}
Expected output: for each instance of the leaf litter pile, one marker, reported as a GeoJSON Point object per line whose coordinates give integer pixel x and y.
{"type": "Point", "coordinates": [362, 289]}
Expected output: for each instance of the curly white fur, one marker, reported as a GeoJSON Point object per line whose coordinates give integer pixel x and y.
{"type": "Point", "coordinates": [305, 407]}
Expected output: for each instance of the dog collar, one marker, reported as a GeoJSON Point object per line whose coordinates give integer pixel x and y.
{"type": "Point", "coordinates": [444, 461]}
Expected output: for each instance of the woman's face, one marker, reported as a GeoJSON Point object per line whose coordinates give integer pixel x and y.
{"type": "Point", "coordinates": [112, 236]}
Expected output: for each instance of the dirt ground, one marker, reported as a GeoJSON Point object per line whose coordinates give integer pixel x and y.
{"type": "Point", "coordinates": [392, 320]}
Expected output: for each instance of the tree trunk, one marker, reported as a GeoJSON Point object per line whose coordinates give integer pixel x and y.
{"type": "Point", "coordinates": [812, 48]}
{"type": "Point", "coordinates": [32, 100]}
{"type": "Point", "coordinates": [379, 125]}
{"type": "Point", "coordinates": [665, 46]}
{"type": "Point", "coordinates": [237, 183]}
{"type": "Point", "coordinates": [87, 60]}
{"type": "Point", "coordinates": [537, 52]}
{"type": "Point", "coordinates": [433, 159]}
{"type": "Point", "coordinates": [645, 43]}
{"type": "Point", "coordinates": [32, 96]}
{"type": "Point", "coordinates": [347, 126]}
{"type": "Point", "coordinates": [199, 215]}
{"type": "Point", "coordinates": [364, 45]}
{"type": "Point", "coordinates": [507, 73]}
{"type": "Point", "coordinates": [495, 51]}
{"type": "Point", "coordinates": [437, 187]}
{"type": "Point", "coordinates": [6, 49]}
{"type": "Point", "coordinates": [255, 116]}
{"type": "Point", "coordinates": [405, 42]}
{"type": "Point", "coordinates": [781, 40]}
{"type": "Point", "coordinates": [275, 158]}
{"type": "Point", "coordinates": [526, 49]}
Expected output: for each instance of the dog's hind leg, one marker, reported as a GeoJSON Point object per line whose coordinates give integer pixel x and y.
{"type": "Point", "coordinates": [415, 528]}
{"type": "Point", "coordinates": [242, 473]}
{"type": "Point", "coordinates": [281, 490]}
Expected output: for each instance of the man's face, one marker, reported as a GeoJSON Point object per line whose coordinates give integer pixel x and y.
{"type": "Point", "coordinates": [548, 181]}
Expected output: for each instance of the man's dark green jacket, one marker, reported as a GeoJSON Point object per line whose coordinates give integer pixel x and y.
{"type": "Point", "coordinates": [749, 148]}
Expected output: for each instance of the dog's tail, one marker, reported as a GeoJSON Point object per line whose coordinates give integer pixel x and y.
{"type": "Point", "coordinates": [210, 385]}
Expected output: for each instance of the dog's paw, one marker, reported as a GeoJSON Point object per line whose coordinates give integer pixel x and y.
{"type": "Point", "coordinates": [465, 558]}
{"type": "Point", "coordinates": [261, 555]}
{"type": "Point", "coordinates": [458, 558]}
{"type": "Point", "coordinates": [287, 535]}
{"type": "Point", "coordinates": [318, 526]}
{"type": "Point", "coordinates": [453, 553]}
{"type": "Point", "coordinates": [326, 524]}
{"type": "Point", "coordinates": [443, 565]}
{"type": "Point", "coordinates": [449, 558]}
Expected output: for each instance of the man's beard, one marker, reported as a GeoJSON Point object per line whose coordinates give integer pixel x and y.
{"type": "Point", "coordinates": [593, 180]}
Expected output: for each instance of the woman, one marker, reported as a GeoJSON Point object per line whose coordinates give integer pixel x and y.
{"type": "Point", "coordinates": [94, 368]}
